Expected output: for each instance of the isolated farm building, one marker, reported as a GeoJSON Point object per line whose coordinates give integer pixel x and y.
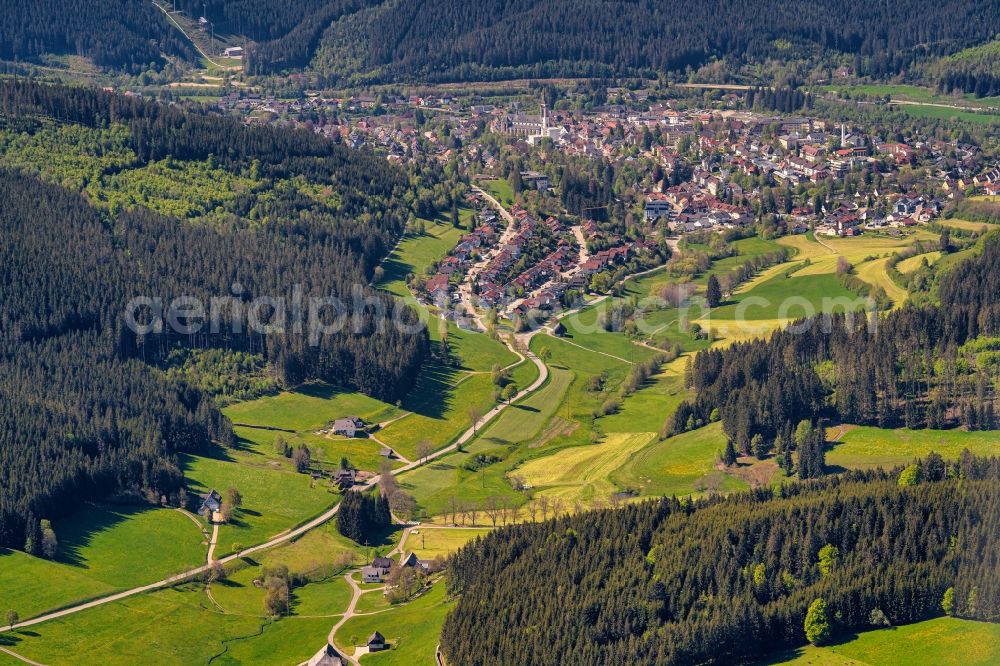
{"type": "Point", "coordinates": [376, 642]}
{"type": "Point", "coordinates": [378, 570]}
{"type": "Point", "coordinates": [328, 656]}
{"type": "Point", "coordinates": [412, 561]}
{"type": "Point", "coordinates": [210, 503]}
{"type": "Point", "coordinates": [386, 452]}
{"type": "Point", "coordinates": [344, 477]}
{"type": "Point", "coordinates": [348, 427]}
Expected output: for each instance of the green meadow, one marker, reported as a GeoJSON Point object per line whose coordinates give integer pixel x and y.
{"type": "Point", "coordinates": [865, 446]}
{"type": "Point", "coordinates": [684, 464]}
{"type": "Point", "coordinates": [412, 629]}
{"type": "Point", "coordinates": [429, 542]}
{"type": "Point", "coordinates": [944, 641]}
{"type": "Point", "coordinates": [786, 298]}
{"type": "Point", "coordinates": [275, 499]}
{"type": "Point", "coordinates": [101, 549]}
{"type": "Point", "coordinates": [417, 252]}
{"type": "Point", "coordinates": [309, 407]}
{"type": "Point", "coordinates": [501, 190]}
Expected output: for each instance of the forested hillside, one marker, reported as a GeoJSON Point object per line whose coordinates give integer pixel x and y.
{"type": "Point", "coordinates": [84, 410]}
{"type": "Point", "coordinates": [388, 40]}
{"type": "Point", "coordinates": [121, 34]}
{"type": "Point", "coordinates": [974, 70]}
{"type": "Point", "coordinates": [932, 366]}
{"type": "Point", "coordinates": [454, 39]}
{"type": "Point", "coordinates": [727, 580]}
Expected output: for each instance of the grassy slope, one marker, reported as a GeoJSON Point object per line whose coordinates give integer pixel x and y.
{"type": "Point", "coordinates": [167, 627]}
{"type": "Point", "coordinates": [647, 409]}
{"type": "Point", "coordinates": [416, 253]}
{"type": "Point", "coordinates": [871, 447]}
{"type": "Point", "coordinates": [913, 263]}
{"type": "Point", "coordinates": [500, 189]}
{"type": "Point", "coordinates": [275, 499]}
{"type": "Point", "coordinates": [101, 549]}
{"type": "Point", "coordinates": [411, 629]}
{"type": "Point", "coordinates": [309, 407]}
{"type": "Point", "coordinates": [428, 543]}
{"type": "Point", "coordinates": [675, 466]}
{"type": "Point", "coordinates": [939, 642]}
{"type": "Point", "coordinates": [582, 472]}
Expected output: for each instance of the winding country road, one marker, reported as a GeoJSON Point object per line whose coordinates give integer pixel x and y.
{"type": "Point", "coordinates": [348, 614]}
{"type": "Point", "coordinates": [522, 340]}
{"type": "Point", "coordinates": [543, 373]}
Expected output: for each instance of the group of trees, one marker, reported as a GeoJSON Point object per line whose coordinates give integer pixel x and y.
{"type": "Point", "coordinates": [727, 580]}
{"type": "Point", "coordinates": [919, 366]}
{"type": "Point", "coordinates": [362, 516]}
{"type": "Point", "coordinates": [84, 411]}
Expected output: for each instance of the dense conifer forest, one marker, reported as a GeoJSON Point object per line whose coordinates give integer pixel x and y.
{"type": "Point", "coordinates": [921, 366]}
{"type": "Point", "coordinates": [84, 409]}
{"type": "Point", "coordinates": [522, 38]}
{"type": "Point", "coordinates": [119, 34]}
{"type": "Point", "coordinates": [727, 580]}
{"type": "Point", "coordinates": [495, 39]}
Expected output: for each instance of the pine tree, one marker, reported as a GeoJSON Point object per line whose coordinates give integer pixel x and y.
{"type": "Point", "coordinates": [713, 292]}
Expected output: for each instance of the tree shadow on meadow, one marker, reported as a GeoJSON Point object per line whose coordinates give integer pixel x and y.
{"type": "Point", "coordinates": [77, 532]}
{"type": "Point", "coordinates": [433, 392]}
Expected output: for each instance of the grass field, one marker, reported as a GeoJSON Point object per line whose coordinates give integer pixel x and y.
{"type": "Point", "coordinates": [916, 94]}
{"type": "Point", "coordinates": [582, 328]}
{"type": "Point", "coordinates": [647, 409]}
{"type": "Point", "coordinates": [943, 641]}
{"type": "Point", "coordinates": [412, 630]}
{"type": "Point", "coordinates": [864, 446]}
{"type": "Point", "coordinates": [787, 299]}
{"type": "Point", "coordinates": [293, 639]}
{"type": "Point", "coordinates": [523, 420]}
{"type": "Point", "coordinates": [309, 407]}
{"type": "Point", "coordinates": [440, 403]}
{"type": "Point", "coordinates": [582, 472]}
{"type": "Point", "coordinates": [559, 415]}
{"type": "Point", "coordinates": [874, 273]}
{"type": "Point", "coordinates": [967, 225]}
{"type": "Point", "coordinates": [175, 626]}
{"type": "Point", "coordinates": [428, 543]}
{"type": "Point", "coordinates": [681, 465]}
{"type": "Point", "coordinates": [926, 96]}
{"type": "Point", "coordinates": [170, 627]}
{"type": "Point", "coordinates": [416, 252]}
{"type": "Point", "coordinates": [913, 263]}
{"type": "Point", "coordinates": [101, 549]}
{"type": "Point", "coordinates": [274, 499]}
{"type": "Point", "coordinates": [442, 396]}
{"type": "Point", "coordinates": [500, 189]}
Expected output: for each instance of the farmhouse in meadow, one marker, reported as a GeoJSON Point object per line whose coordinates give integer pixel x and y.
{"type": "Point", "coordinates": [348, 426]}
{"type": "Point", "coordinates": [378, 570]}
{"type": "Point", "coordinates": [344, 477]}
{"type": "Point", "coordinates": [376, 642]}
{"type": "Point", "coordinates": [210, 503]}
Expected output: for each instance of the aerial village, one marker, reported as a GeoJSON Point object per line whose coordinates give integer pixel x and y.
{"type": "Point", "coordinates": [681, 170]}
